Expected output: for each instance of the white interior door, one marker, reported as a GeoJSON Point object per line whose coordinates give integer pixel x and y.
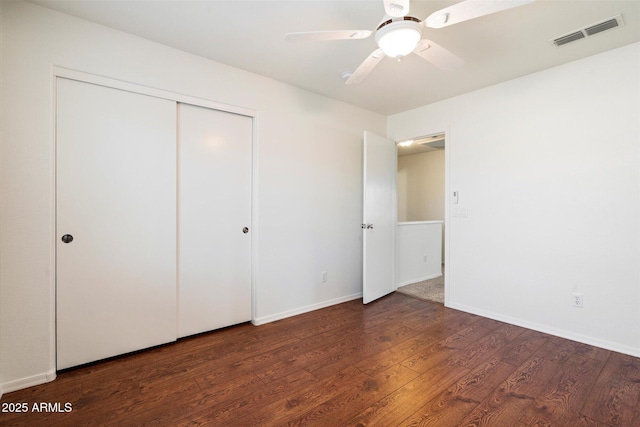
{"type": "Point", "coordinates": [379, 216]}
{"type": "Point", "coordinates": [214, 191]}
{"type": "Point", "coordinates": [116, 196]}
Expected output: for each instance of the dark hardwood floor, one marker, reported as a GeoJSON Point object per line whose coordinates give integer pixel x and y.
{"type": "Point", "coordinates": [399, 361]}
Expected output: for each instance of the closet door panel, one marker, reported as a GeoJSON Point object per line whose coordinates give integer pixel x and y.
{"type": "Point", "coordinates": [214, 193]}
{"type": "Point", "coordinates": [116, 195]}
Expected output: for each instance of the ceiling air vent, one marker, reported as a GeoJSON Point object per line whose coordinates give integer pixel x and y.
{"type": "Point", "coordinates": [597, 28]}
{"type": "Point", "coordinates": [590, 30]}
{"type": "Point", "coordinates": [568, 38]}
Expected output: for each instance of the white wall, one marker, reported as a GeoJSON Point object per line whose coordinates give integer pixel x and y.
{"type": "Point", "coordinates": [418, 251]}
{"type": "Point", "coordinates": [421, 186]}
{"type": "Point", "coordinates": [309, 174]}
{"type": "Point", "coordinates": [548, 167]}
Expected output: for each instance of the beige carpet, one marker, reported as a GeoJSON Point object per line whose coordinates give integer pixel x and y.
{"type": "Point", "coordinates": [428, 290]}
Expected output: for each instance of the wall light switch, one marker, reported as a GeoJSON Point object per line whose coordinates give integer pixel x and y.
{"type": "Point", "coordinates": [455, 197]}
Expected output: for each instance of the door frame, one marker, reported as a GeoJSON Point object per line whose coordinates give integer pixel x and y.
{"type": "Point", "coordinates": [71, 74]}
{"type": "Point", "coordinates": [447, 214]}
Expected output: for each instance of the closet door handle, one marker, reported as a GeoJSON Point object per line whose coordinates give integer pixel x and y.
{"type": "Point", "coordinates": [245, 230]}
{"type": "Point", "coordinates": [67, 238]}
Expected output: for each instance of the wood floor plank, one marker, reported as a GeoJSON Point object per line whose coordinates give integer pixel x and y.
{"type": "Point", "coordinates": [583, 421]}
{"type": "Point", "coordinates": [322, 355]}
{"type": "Point", "coordinates": [405, 401]}
{"type": "Point", "coordinates": [495, 413]}
{"type": "Point", "coordinates": [396, 361]}
{"type": "Point", "coordinates": [267, 360]}
{"type": "Point", "coordinates": [616, 392]}
{"type": "Point", "coordinates": [522, 347]}
{"type": "Point", "coordinates": [301, 401]}
{"type": "Point", "coordinates": [452, 405]}
{"type": "Point", "coordinates": [442, 320]}
{"type": "Point", "coordinates": [384, 359]}
{"type": "Point", "coordinates": [636, 417]}
{"type": "Point", "coordinates": [337, 410]}
{"type": "Point", "coordinates": [218, 412]}
{"type": "Point", "coordinates": [367, 344]}
{"type": "Point", "coordinates": [562, 398]}
{"type": "Point", "coordinates": [506, 403]}
{"type": "Point", "coordinates": [439, 351]}
{"type": "Point", "coordinates": [482, 349]}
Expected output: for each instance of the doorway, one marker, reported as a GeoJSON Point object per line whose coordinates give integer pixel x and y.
{"type": "Point", "coordinates": [421, 217]}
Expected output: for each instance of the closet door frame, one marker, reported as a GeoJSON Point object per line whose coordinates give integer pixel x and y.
{"type": "Point", "coordinates": [67, 73]}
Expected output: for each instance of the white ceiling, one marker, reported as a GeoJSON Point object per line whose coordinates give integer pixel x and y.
{"type": "Point", "coordinates": [249, 35]}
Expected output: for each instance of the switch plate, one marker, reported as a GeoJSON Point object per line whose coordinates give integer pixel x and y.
{"type": "Point", "coordinates": [454, 197]}
{"type": "Point", "coordinates": [324, 276]}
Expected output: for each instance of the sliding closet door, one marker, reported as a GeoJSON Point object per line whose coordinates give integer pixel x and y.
{"type": "Point", "coordinates": [214, 219]}
{"type": "Point", "coordinates": [116, 222]}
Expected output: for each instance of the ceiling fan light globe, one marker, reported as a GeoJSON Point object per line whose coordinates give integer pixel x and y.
{"type": "Point", "coordinates": [399, 39]}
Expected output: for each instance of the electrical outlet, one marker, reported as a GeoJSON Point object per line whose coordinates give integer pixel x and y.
{"type": "Point", "coordinates": [424, 259]}
{"type": "Point", "coordinates": [577, 300]}
{"type": "Point", "coordinates": [324, 276]}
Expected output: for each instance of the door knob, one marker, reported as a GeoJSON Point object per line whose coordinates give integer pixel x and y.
{"type": "Point", "coordinates": [245, 230]}
{"type": "Point", "coordinates": [369, 226]}
{"type": "Point", "coordinates": [67, 238]}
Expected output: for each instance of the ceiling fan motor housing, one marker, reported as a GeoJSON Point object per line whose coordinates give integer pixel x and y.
{"type": "Point", "coordinates": [398, 37]}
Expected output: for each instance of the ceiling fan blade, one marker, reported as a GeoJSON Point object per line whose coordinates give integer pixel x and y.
{"type": "Point", "coordinates": [365, 68]}
{"type": "Point", "coordinates": [437, 55]}
{"type": "Point", "coordinates": [327, 35]}
{"type": "Point", "coordinates": [470, 9]}
{"type": "Point", "coordinates": [396, 8]}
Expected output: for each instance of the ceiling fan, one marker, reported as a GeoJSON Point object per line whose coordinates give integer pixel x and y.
{"type": "Point", "coordinates": [399, 34]}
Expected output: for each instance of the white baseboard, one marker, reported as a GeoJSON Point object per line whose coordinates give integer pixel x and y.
{"type": "Point", "coordinates": [418, 279]}
{"type": "Point", "coordinates": [21, 383]}
{"type": "Point", "coordinates": [631, 351]}
{"type": "Point", "coordinates": [283, 315]}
